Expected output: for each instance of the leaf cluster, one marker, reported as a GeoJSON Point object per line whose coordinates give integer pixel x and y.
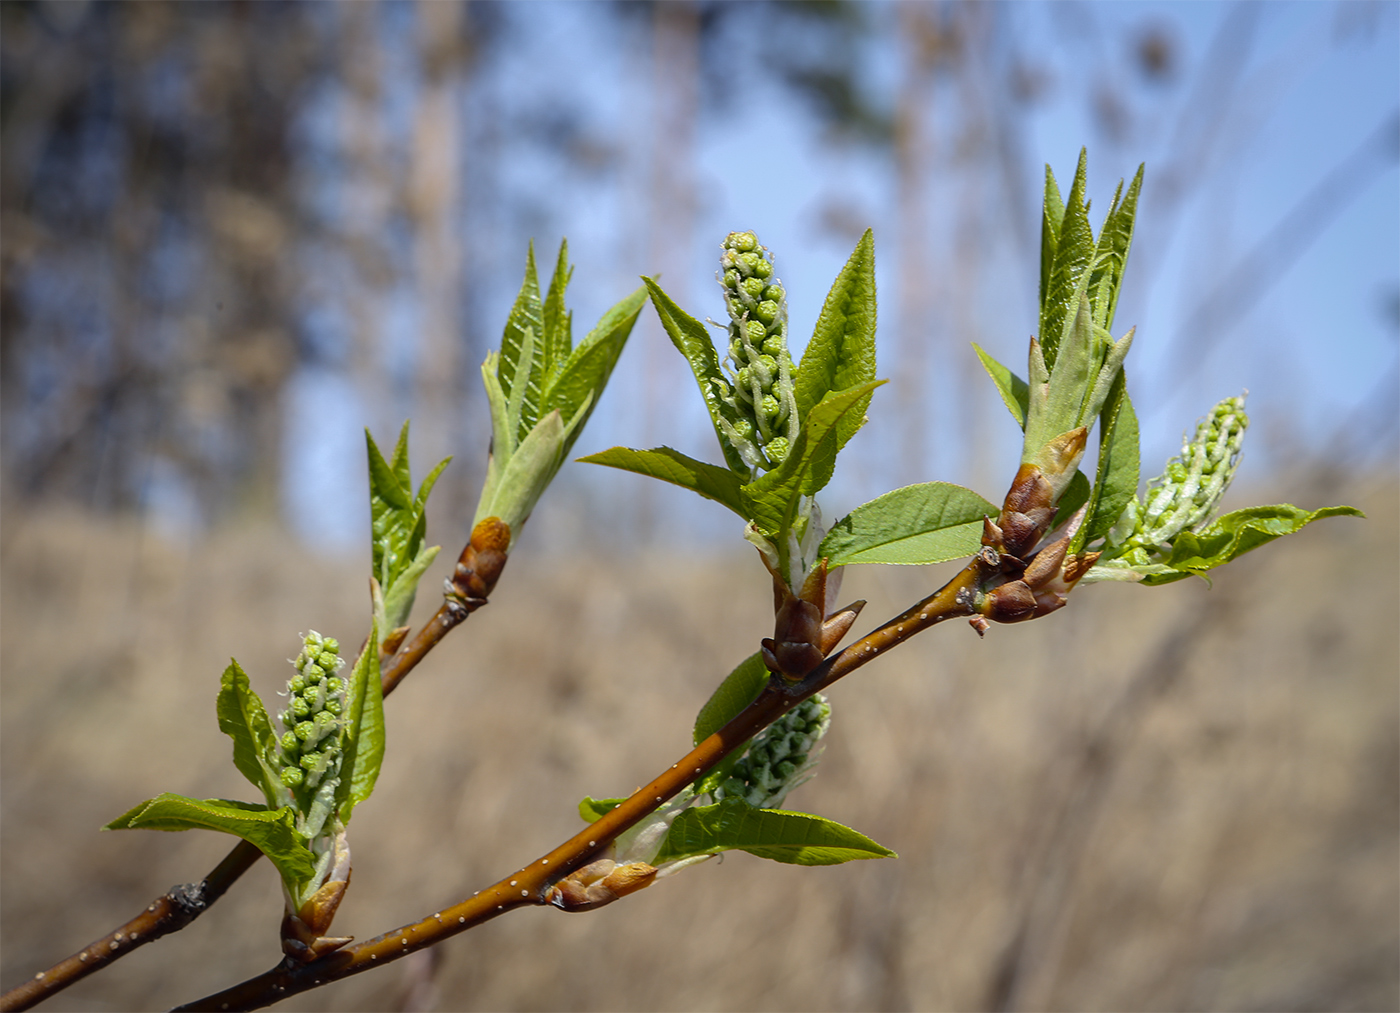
{"type": "Point", "coordinates": [542, 389]}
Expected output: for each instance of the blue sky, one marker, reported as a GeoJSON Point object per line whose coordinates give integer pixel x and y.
{"type": "Point", "coordinates": [1314, 82]}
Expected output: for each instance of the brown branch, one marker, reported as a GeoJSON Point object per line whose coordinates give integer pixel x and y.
{"type": "Point", "coordinates": [528, 886]}
{"type": "Point", "coordinates": [186, 902]}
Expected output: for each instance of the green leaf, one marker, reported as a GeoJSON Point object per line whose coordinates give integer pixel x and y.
{"type": "Point", "coordinates": [841, 353]}
{"type": "Point", "coordinates": [740, 688]}
{"type": "Point", "coordinates": [1117, 479]}
{"type": "Point", "coordinates": [772, 500]}
{"type": "Point", "coordinates": [511, 493]}
{"type": "Point", "coordinates": [1111, 252]}
{"type": "Point", "coordinates": [364, 731]}
{"type": "Point", "coordinates": [558, 321]}
{"type": "Point", "coordinates": [709, 480]}
{"type": "Point", "coordinates": [1052, 214]}
{"type": "Point", "coordinates": [693, 341]}
{"type": "Point", "coordinates": [1014, 391]}
{"type": "Point", "coordinates": [789, 837]}
{"type": "Point", "coordinates": [243, 718]}
{"type": "Point", "coordinates": [1076, 494]}
{"type": "Point", "coordinates": [1231, 536]}
{"type": "Point", "coordinates": [581, 380]}
{"type": "Point", "coordinates": [398, 600]}
{"type": "Point", "coordinates": [931, 522]}
{"type": "Point", "coordinates": [527, 315]}
{"type": "Point", "coordinates": [594, 809]}
{"type": "Point", "coordinates": [273, 832]}
{"type": "Point", "coordinates": [1074, 251]}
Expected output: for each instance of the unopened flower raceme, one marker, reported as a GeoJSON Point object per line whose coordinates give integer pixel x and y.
{"type": "Point", "coordinates": [781, 758]}
{"type": "Point", "coordinates": [762, 391]}
{"type": "Point", "coordinates": [312, 726]}
{"type": "Point", "coordinates": [1186, 494]}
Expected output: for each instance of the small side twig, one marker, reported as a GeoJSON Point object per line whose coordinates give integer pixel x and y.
{"type": "Point", "coordinates": [475, 576]}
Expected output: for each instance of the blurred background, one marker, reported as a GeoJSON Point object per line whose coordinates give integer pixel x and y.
{"type": "Point", "coordinates": [234, 235]}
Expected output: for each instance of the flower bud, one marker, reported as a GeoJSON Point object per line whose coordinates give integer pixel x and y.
{"type": "Point", "coordinates": [780, 758]}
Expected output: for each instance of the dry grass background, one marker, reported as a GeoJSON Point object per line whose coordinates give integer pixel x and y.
{"type": "Point", "coordinates": [1174, 799]}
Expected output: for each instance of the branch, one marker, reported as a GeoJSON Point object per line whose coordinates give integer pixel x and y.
{"type": "Point", "coordinates": [529, 885]}
{"type": "Point", "coordinates": [186, 902]}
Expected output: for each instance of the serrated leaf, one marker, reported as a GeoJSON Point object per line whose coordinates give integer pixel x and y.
{"type": "Point", "coordinates": [1117, 479]}
{"type": "Point", "coordinates": [594, 809]}
{"type": "Point", "coordinates": [243, 718]}
{"type": "Point", "coordinates": [557, 321]}
{"type": "Point", "coordinates": [841, 353]}
{"type": "Point", "coordinates": [693, 341]}
{"type": "Point", "coordinates": [709, 480]}
{"type": "Point", "coordinates": [399, 522]}
{"type": "Point", "coordinates": [1231, 536]}
{"type": "Point", "coordinates": [772, 500]}
{"type": "Point", "coordinates": [1074, 251]}
{"type": "Point", "coordinates": [931, 522]}
{"type": "Point", "coordinates": [398, 600]}
{"type": "Point", "coordinates": [1052, 214]}
{"type": "Point", "coordinates": [782, 836]}
{"type": "Point", "coordinates": [273, 832]}
{"type": "Point", "coordinates": [363, 749]}
{"type": "Point", "coordinates": [581, 380]}
{"type": "Point", "coordinates": [527, 314]}
{"type": "Point", "coordinates": [1111, 251]}
{"type": "Point", "coordinates": [1014, 391]}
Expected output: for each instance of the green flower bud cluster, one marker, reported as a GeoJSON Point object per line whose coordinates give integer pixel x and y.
{"type": "Point", "coordinates": [781, 758]}
{"type": "Point", "coordinates": [761, 375]}
{"type": "Point", "coordinates": [1187, 493]}
{"type": "Point", "coordinates": [312, 726]}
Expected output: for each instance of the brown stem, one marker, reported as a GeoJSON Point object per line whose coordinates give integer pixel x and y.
{"type": "Point", "coordinates": [186, 902]}
{"type": "Point", "coordinates": [528, 885]}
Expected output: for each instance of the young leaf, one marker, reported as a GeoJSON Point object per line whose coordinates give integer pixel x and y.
{"type": "Point", "coordinates": [789, 837]}
{"type": "Point", "coordinates": [693, 341]}
{"type": "Point", "coordinates": [1074, 251]}
{"type": "Point", "coordinates": [1076, 494]}
{"type": "Point", "coordinates": [1052, 214]}
{"type": "Point", "coordinates": [709, 480]}
{"type": "Point", "coordinates": [1117, 479]}
{"type": "Point", "coordinates": [1231, 536]}
{"type": "Point", "coordinates": [740, 688]}
{"type": "Point", "coordinates": [594, 809]}
{"type": "Point", "coordinates": [1111, 252]}
{"type": "Point", "coordinates": [243, 718]}
{"type": "Point", "coordinates": [399, 526]}
{"type": "Point", "coordinates": [772, 500]}
{"type": "Point", "coordinates": [1014, 391]}
{"type": "Point", "coordinates": [557, 321]}
{"type": "Point", "coordinates": [273, 832]}
{"type": "Point", "coordinates": [582, 379]}
{"type": "Point", "coordinates": [931, 522]}
{"type": "Point", "coordinates": [841, 353]}
{"type": "Point", "coordinates": [527, 315]}
{"type": "Point", "coordinates": [364, 725]}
